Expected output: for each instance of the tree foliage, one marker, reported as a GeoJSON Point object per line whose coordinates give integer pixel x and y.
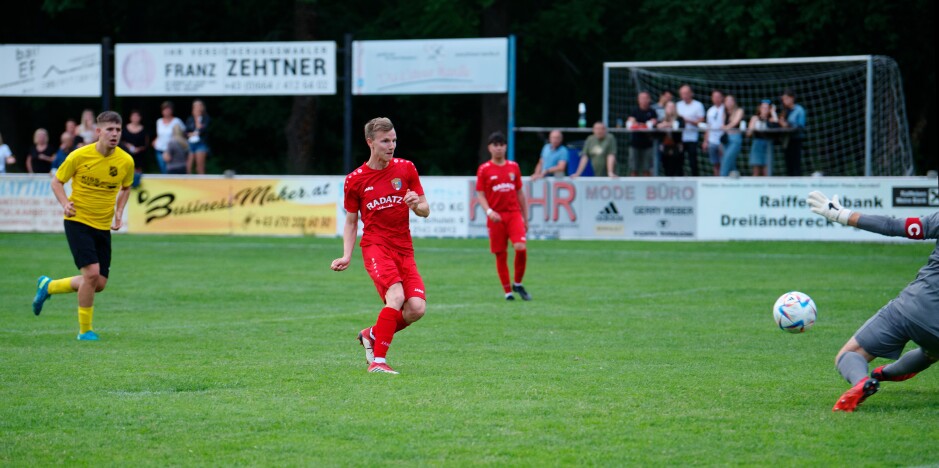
{"type": "Point", "coordinates": [562, 46]}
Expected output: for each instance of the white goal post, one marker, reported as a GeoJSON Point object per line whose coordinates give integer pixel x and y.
{"type": "Point", "coordinates": [856, 113]}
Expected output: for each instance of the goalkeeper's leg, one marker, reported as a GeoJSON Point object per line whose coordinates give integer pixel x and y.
{"type": "Point", "coordinates": [852, 363]}
{"type": "Point", "coordinates": [904, 368]}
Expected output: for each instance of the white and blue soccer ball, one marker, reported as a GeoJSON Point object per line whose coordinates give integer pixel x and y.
{"type": "Point", "coordinates": [795, 312]}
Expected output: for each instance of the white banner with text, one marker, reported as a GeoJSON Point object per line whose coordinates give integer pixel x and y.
{"type": "Point", "coordinates": [776, 209]}
{"type": "Point", "coordinates": [225, 69]}
{"type": "Point", "coordinates": [430, 66]}
{"type": "Point", "coordinates": [43, 70]}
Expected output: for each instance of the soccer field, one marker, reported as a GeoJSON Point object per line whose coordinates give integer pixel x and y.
{"type": "Point", "coordinates": [242, 351]}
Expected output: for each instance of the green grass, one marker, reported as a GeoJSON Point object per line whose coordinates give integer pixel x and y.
{"type": "Point", "coordinates": [241, 351]}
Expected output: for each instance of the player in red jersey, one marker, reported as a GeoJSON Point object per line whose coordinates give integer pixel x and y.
{"type": "Point", "coordinates": [499, 190]}
{"type": "Point", "coordinates": [383, 190]}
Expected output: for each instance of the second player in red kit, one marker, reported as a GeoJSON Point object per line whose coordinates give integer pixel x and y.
{"type": "Point", "coordinates": [384, 190]}
{"type": "Point", "coordinates": [499, 191]}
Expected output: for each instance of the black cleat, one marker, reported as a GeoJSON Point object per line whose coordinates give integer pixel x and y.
{"type": "Point", "coordinates": [509, 297]}
{"type": "Point", "coordinates": [521, 292]}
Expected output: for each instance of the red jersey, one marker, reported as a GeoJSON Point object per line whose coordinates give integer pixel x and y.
{"type": "Point", "coordinates": [378, 195]}
{"type": "Point", "coordinates": [500, 185]}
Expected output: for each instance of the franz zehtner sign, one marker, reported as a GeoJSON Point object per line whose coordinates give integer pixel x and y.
{"type": "Point", "coordinates": [225, 69]}
{"type": "Point", "coordinates": [431, 66]}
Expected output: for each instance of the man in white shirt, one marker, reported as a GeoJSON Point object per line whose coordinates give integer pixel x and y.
{"type": "Point", "coordinates": [712, 137]}
{"type": "Point", "coordinates": [692, 111]}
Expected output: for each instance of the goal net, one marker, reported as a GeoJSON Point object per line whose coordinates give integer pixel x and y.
{"type": "Point", "coordinates": [856, 117]}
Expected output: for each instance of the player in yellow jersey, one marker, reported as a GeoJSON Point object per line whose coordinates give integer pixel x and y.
{"type": "Point", "coordinates": [98, 172]}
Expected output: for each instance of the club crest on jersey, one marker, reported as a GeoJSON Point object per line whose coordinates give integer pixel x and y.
{"type": "Point", "coordinates": [512, 176]}
{"type": "Point", "coordinates": [112, 170]}
{"type": "Point", "coordinates": [396, 183]}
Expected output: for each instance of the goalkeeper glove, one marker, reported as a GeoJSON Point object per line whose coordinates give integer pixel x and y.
{"type": "Point", "coordinates": [831, 209]}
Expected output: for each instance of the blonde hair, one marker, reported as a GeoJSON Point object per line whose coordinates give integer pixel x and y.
{"type": "Point", "coordinates": [205, 109]}
{"type": "Point", "coordinates": [179, 137]}
{"type": "Point", "coordinates": [88, 117]}
{"type": "Point", "coordinates": [378, 124]}
{"type": "Point", "coordinates": [40, 131]}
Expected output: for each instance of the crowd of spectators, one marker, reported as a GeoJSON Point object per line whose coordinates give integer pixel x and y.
{"type": "Point", "coordinates": [178, 147]}
{"type": "Point", "coordinates": [672, 132]}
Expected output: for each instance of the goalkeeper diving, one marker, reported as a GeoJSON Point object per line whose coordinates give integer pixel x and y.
{"type": "Point", "coordinates": [912, 316]}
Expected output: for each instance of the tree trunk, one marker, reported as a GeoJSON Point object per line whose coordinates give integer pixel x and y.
{"type": "Point", "coordinates": [494, 110]}
{"type": "Point", "coordinates": [302, 122]}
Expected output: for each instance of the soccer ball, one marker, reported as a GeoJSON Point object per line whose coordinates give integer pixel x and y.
{"type": "Point", "coordinates": [794, 312]}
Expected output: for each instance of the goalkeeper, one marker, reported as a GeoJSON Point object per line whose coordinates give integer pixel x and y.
{"type": "Point", "coordinates": [912, 316]}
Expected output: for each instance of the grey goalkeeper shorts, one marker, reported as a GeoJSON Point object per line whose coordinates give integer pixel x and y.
{"type": "Point", "coordinates": [888, 331]}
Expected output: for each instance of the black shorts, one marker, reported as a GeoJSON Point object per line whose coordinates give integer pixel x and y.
{"type": "Point", "coordinates": [89, 246]}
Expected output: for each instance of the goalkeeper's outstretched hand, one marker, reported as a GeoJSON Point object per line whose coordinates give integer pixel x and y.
{"type": "Point", "coordinates": [831, 209]}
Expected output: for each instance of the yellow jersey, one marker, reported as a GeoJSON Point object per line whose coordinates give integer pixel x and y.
{"type": "Point", "coordinates": [96, 180]}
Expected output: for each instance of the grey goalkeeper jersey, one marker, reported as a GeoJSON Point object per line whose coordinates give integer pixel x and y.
{"type": "Point", "coordinates": [919, 301]}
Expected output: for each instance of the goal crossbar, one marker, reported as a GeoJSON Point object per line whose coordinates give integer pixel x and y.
{"type": "Point", "coordinates": [732, 62]}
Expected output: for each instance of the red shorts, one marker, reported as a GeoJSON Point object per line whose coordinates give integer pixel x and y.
{"type": "Point", "coordinates": [511, 228]}
{"type": "Point", "coordinates": [387, 266]}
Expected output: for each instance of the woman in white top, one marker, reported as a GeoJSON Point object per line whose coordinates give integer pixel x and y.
{"type": "Point", "coordinates": [164, 132]}
{"type": "Point", "coordinates": [6, 156]}
{"type": "Point", "coordinates": [86, 129]}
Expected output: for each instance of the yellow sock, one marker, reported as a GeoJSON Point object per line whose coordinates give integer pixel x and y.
{"type": "Point", "coordinates": [61, 286]}
{"type": "Point", "coordinates": [84, 318]}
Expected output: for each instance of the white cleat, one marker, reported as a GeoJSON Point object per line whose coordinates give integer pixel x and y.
{"type": "Point", "coordinates": [365, 339]}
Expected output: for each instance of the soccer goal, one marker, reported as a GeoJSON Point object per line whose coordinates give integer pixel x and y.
{"type": "Point", "coordinates": [856, 114]}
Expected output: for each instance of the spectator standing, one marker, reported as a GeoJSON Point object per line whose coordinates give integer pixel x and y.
{"type": "Point", "coordinates": [712, 137]}
{"type": "Point", "coordinates": [794, 119]}
{"type": "Point", "coordinates": [692, 111]}
{"type": "Point", "coordinates": [135, 139]}
{"type": "Point", "coordinates": [41, 154]}
{"type": "Point", "coordinates": [71, 126]}
{"type": "Point", "coordinates": [197, 129]}
{"type": "Point", "coordinates": [732, 140]}
{"type": "Point", "coordinates": [600, 151]}
{"type": "Point", "coordinates": [553, 160]}
{"type": "Point", "coordinates": [665, 97]}
{"type": "Point", "coordinates": [6, 156]}
{"type": "Point", "coordinates": [177, 152]}
{"type": "Point", "coordinates": [66, 146]}
{"type": "Point", "coordinates": [86, 129]}
{"type": "Point", "coordinates": [670, 147]}
{"type": "Point", "coordinates": [761, 151]}
{"type": "Point", "coordinates": [164, 132]}
{"type": "Point", "coordinates": [641, 148]}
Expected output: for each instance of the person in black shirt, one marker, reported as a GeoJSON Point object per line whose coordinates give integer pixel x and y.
{"type": "Point", "coordinates": [41, 154]}
{"type": "Point", "coordinates": [641, 150]}
{"type": "Point", "coordinates": [135, 140]}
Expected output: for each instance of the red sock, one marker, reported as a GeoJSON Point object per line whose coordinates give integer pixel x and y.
{"type": "Point", "coordinates": [502, 266]}
{"type": "Point", "coordinates": [384, 330]}
{"type": "Point", "coordinates": [401, 325]}
{"type": "Point", "coordinates": [521, 257]}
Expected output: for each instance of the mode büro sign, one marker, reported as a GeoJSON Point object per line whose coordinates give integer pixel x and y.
{"type": "Point", "coordinates": [432, 66]}
{"type": "Point", "coordinates": [50, 70]}
{"type": "Point", "coordinates": [225, 69]}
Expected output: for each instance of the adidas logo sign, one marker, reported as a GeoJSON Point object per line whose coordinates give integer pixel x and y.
{"type": "Point", "coordinates": [609, 213]}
